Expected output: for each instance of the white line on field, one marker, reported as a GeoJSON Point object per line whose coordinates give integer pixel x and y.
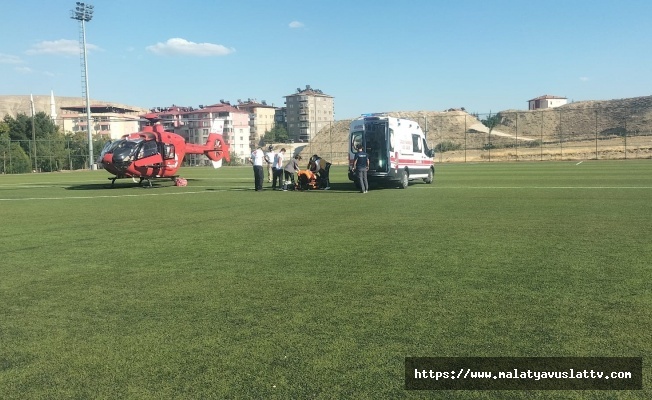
{"type": "Point", "coordinates": [534, 187]}
{"type": "Point", "coordinates": [216, 190]}
{"type": "Point", "coordinates": [59, 183]}
{"type": "Point", "coordinates": [579, 163]}
{"type": "Point", "coordinates": [124, 195]}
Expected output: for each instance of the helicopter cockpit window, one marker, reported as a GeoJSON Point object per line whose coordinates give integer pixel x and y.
{"type": "Point", "coordinates": [109, 147]}
{"type": "Point", "coordinates": [124, 150]}
{"type": "Point", "coordinates": [168, 151]}
{"type": "Point", "coordinates": [149, 149]}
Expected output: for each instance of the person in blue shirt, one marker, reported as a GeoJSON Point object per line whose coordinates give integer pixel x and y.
{"type": "Point", "coordinates": [361, 166]}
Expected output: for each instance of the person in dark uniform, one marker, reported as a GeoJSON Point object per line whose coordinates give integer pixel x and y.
{"type": "Point", "coordinates": [361, 166]}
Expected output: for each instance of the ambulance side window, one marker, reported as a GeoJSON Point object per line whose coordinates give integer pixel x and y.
{"type": "Point", "coordinates": [416, 144]}
{"type": "Point", "coordinates": [391, 139]}
{"type": "Point", "coordinates": [356, 139]}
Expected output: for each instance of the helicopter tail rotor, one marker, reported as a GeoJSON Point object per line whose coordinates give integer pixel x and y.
{"type": "Point", "coordinates": [217, 149]}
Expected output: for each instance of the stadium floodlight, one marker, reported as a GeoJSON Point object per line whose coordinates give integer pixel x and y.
{"type": "Point", "coordinates": [83, 12]}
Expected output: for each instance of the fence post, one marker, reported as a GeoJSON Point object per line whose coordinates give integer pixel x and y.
{"type": "Point", "coordinates": [330, 138]}
{"type": "Point", "coordinates": [465, 130]}
{"type": "Point", "coordinates": [516, 136]}
{"type": "Point", "coordinates": [69, 156]}
{"type": "Point", "coordinates": [596, 134]}
{"type": "Point", "coordinates": [561, 142]}
{"type": "Point", "coordinates": [541, 144]}
{"type": "Point", "coordinates": [51, 155]}
{"type": "Point", "coordinates": [489, 145]}
{"type": "Point", "coordinates": [625, 123]}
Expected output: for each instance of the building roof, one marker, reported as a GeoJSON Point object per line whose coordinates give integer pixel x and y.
{"type": "Point", "coordinates": [100, 108]}
{"type": "Point", "coordinates": [253, 103]}
{"type": "Point", "coordinates": [308, 91]}
{"type": "Point", "coordinates": [548, 96]}
{"type": "Point", "coordinates": [216, 108]}
{"type": "Point", "coordinates": [222, 107]}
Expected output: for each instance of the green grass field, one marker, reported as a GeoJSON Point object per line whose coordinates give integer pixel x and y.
{"type": "Point", "coordinates": [216, 291]}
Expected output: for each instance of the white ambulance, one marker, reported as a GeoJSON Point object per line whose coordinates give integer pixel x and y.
{"type": "Point", "coordinates": [397, 149]}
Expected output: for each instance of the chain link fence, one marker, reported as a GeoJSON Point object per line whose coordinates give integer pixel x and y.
{"type": "Point", "coordinates": [551, 134]}
{"type": "Point", "coordinates": [564, 133]}
{"type": "Point", "coordinates": [21, 156]}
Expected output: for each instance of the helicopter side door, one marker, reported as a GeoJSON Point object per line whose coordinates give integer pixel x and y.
{"type": "Point", "coordinates": [148, 155]}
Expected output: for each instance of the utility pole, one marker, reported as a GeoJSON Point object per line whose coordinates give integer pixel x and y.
{"type": "Point", "coordinates": [31, 100]}
{"type": "Point", "coordinates": [83, 13]}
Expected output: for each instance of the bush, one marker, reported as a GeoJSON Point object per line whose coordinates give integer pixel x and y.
{"type": "Point", "coordinates": [447, 145]}
{"type": "Point", "coordinates": [235, 160]}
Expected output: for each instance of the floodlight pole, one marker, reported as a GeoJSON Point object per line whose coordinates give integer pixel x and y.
{"type": "Point", "coordinates": [83, 13]}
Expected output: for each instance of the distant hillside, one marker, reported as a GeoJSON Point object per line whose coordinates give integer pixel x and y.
{"type": "Point", "coordinates": [14, 105]}
{"type": "Point", "coordinates": [572, 123]}
{"type": "Point", "coordinates": [438, 125]}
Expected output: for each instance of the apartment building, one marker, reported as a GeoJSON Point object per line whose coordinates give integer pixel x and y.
{"type": "Point", "coordinates": [110, 121]}
{"type": "Point", "coordinates": [307, 112]}
{"type": "Point", "coordinates": [261, 118]}
{"type": "Point", "coordinates": [195, 126]}
{"type": "Point", "coordinates": [169, 117]}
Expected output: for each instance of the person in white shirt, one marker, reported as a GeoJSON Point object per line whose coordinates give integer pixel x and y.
{"type": "Point", "coordinates": [269, 159]}
{"type": "Point", "coordinates": [277, 168]}
{"type": "Point", "coordinates": [257, 161]}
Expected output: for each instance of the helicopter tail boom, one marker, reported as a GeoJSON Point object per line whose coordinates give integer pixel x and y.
{"type": "Point", "coordinates": [215, 148]}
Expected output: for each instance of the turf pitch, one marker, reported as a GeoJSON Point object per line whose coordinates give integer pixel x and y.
{"type": "Point", "coordinates": [217, 291]}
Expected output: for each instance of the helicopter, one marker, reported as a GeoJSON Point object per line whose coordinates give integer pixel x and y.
{"type": "Point", "coordinates": [155, 153]}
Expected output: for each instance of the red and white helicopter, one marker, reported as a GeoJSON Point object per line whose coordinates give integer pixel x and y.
{"type": "Point", "coordinates": [155, 153]}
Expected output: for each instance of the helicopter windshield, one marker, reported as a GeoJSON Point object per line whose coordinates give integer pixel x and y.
{"type": "Point", "coordinates": [109, 147]}
{"type": "Point", "coordinates": [125, 150]}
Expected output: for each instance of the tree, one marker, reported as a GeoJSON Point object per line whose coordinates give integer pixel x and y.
{"type": "Point", "coordinates": [77, 149]}
{"type": "Point", "coordinates": [278, 134]}
{"type": "Point", "coordinates": [20, 128]}
{"type": "Point", "coordinates": [235, 159]}
{"type": "Point", "coordinates": [13, 159]}
{"type": "Point", "coordinates": [491, 121]}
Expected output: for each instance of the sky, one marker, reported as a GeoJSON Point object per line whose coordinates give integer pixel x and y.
{"type": "Point", "coordinates": [371, 56]}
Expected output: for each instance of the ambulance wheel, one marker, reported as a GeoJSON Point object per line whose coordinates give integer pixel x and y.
{"type": "Point", "coordinates": [429, 178]}
{"type": "Point", "coordinates": [403, 183]}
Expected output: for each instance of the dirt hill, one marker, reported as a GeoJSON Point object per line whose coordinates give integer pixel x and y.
{"type": "Point", "coordinates": [14, 105]}
{"type": "Point", "coordinates": [570, 125]}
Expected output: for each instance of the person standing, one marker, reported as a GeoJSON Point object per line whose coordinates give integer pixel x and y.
{"type": "Point", "coordinates": [277, 169]}
{"type": "Point", "coordinates": [257, 161]}
{"type": "Point", "coordinates": [269, 159]}
{"type": "Point", "coordinates": [291, 168]}
{"type": "Point", "coordinates": [361, 166]}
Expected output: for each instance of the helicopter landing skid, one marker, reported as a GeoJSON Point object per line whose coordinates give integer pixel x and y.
{"type": "Point", "coordinates": [140, 180]}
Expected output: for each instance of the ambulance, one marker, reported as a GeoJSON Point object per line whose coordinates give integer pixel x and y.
{"type": "Point", "coordinates": [397, 149]}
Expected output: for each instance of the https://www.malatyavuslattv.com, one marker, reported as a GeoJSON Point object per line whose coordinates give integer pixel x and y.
{"type": "Point", "coordinates": [537, 373]}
